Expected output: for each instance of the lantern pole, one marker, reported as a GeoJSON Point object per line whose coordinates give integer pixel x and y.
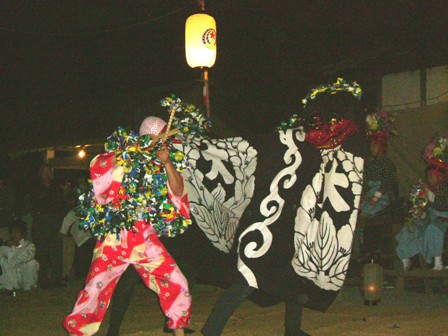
{"type": "Point", "coordinates": [206, 92]}
{"type": "Point", "coordinates": [206, 88]}
{"type": "Point", "coordinates": [201, 4]}
{"type": "Point", "coordinates": [200, 47]}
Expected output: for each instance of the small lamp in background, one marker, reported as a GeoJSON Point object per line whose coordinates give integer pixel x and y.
{"type": "Point", "coordinates": [82, 153]}
{"type": "Point", "coordinates": [372, 278]}
{"type": "Point", "coordinates": [200, 47]}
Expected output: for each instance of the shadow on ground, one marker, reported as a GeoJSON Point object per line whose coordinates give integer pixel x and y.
{"type": "Point", "coordinates": [40, 312]}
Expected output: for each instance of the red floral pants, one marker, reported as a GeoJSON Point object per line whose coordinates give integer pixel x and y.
{"type": "Point", "coordinates": [157, 268]}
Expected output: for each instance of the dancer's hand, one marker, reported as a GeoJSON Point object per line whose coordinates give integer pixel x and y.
{"type": "Point", "coordinates": [163, 154]}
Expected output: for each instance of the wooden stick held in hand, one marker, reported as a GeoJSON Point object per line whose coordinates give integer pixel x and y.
{"type": "Point", "coordinates": [168, 131]}
{"type": "Point", "coordinates": [170, 122]}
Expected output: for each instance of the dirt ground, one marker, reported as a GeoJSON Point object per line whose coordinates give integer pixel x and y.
{"type": "Point", "coordinates": [40, 312]}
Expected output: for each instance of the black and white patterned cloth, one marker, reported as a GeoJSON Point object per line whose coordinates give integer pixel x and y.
{"type": "Point", "coordinates": [274, 210]}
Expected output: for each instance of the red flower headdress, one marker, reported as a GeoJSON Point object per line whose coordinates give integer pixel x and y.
{"type": "Point", "coordinates": [436, 156]}
{"type": "Point", "coordinates": [379, 126]}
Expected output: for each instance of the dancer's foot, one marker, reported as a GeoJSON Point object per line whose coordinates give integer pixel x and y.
{"type": "Point", "coordinates": [178, 332]}
{"type": "Point", "coordinates": [187, 331]}
{"type": "Point", "coordinates": [297, 333]}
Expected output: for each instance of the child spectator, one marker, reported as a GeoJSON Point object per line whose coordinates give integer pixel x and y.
{"type": "Point", "coordinates": [19, 269]}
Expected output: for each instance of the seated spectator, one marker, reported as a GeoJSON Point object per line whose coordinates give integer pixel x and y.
{"type": "Point", "coordinates": [380, 187]}
{"type": "Point", "coordinates": [424, 233]}
{"type": "Point", "coordinates": [19, 269]}
{"type": "Point", "coordinates": [380, 177]}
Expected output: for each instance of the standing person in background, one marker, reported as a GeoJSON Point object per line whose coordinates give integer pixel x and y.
{"type": "Point", "coordinates": [73, 237]}
{"type": "Point", "coordinates": [47, 209]}
{"type": "Point", "coordinates": [7, 206]}
{"type": "Point", "coordinates": [69, 194]}
{"type": "Point", "coordinates": [68, 242]}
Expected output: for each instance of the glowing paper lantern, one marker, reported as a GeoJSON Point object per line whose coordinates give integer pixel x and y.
{"type": "Point", "coordinates": [372, 283]}
{"type": "Point", "coordinates": [200, 40]}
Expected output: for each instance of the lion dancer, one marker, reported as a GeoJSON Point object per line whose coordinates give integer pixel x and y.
{"type": "Point", "coordinates": [294, 241]}
{"type": "Point", "coordinates": [126, 210]}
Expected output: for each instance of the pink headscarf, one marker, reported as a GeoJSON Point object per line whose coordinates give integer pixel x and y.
{"type": "Point", "coordinates": [152, 126]}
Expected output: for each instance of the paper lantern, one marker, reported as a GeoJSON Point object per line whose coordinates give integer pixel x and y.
{"type": "Point", "coordinates": [372, 283]}
{"type": "Point", "coordinates": [200, 40]}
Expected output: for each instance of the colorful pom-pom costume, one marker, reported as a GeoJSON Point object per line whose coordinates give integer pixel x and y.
{"type": "Point", "coordinates": [134, 198]}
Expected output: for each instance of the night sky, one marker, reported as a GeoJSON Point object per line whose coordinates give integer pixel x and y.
{"type": "Point", "coordinates": [77, 70]}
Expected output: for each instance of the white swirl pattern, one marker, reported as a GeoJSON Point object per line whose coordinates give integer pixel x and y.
{"type": "Point", "coordinates": [252, 250]}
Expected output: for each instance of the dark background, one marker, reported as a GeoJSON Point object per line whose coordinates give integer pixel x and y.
{"type": "Point", "coordinates": [75, 70]}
